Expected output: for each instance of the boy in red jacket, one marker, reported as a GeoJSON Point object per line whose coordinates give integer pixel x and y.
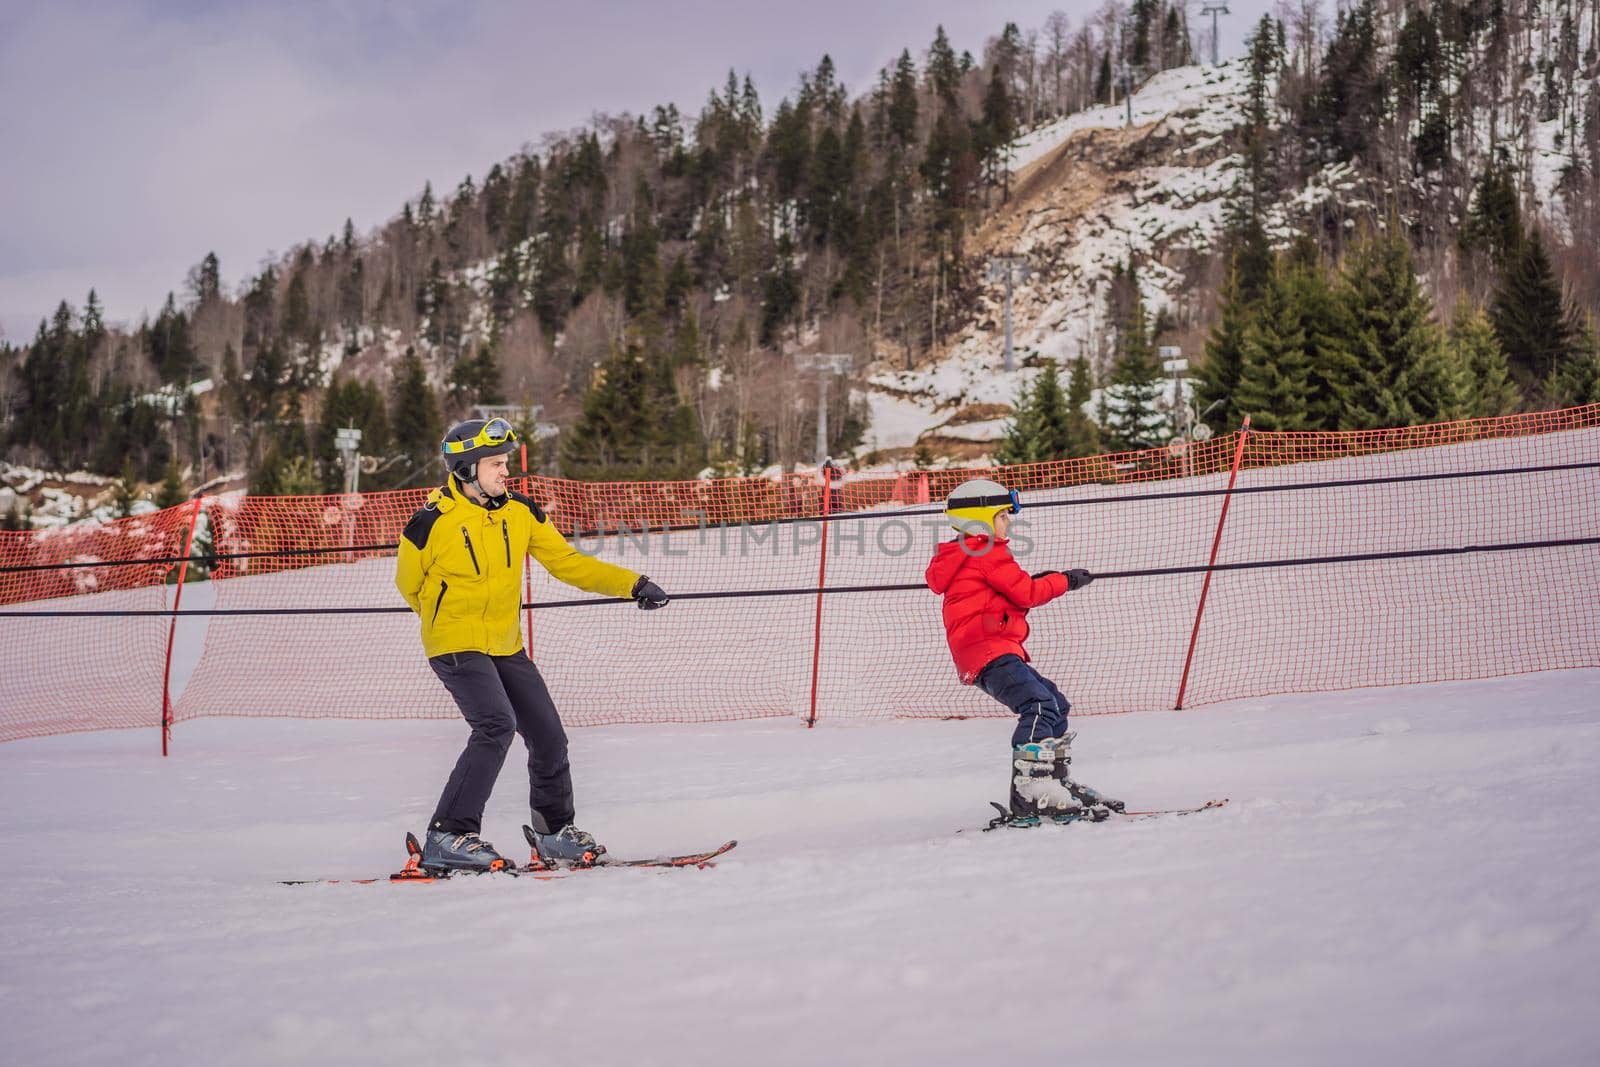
{"type": "Point", "coordinates": [986, 601]}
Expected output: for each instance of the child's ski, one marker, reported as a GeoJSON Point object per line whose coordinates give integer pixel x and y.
{"type": "Point", "coordinates": [1090, 814]}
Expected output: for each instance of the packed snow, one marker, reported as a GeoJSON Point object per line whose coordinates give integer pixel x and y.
{"type": "Point", "coordinates": [1405, 875]}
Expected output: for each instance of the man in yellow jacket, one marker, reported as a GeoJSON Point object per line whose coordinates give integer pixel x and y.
{"type": "Point", "coordinates": [460, 568]}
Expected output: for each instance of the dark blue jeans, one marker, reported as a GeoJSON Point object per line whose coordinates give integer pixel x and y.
{"type": "Point", "coordinates": [1040, 707]}
{"type": "Point", "coordinates": [500, 697]}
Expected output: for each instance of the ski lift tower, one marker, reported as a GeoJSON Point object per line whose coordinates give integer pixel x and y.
{"type": "Point", "coordinates": [1214, 10]}
{"type": "Point", "coordinates": [826, 365]}
{"type": "Point", "coordinates": [1009, 269]}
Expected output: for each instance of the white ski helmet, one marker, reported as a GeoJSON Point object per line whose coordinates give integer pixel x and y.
{"type": "Point", "coordinates": [979, 501]}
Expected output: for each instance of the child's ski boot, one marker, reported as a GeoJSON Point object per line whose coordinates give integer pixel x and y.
{"type": "Point", "coordinates": [1097, 803]}
{"type": "Point", "coordinates": [1035, 789]}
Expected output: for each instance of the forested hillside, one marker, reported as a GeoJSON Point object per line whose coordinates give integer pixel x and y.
{"type": "Point", "coordinates": [1409, 211]}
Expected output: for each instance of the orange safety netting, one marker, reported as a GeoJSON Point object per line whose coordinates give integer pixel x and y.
{"type": "Point", "coordinates": [749, 636]}
{"type": "Point", "coordinates": [65, 674]}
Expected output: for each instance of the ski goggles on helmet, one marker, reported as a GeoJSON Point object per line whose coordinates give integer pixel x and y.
{"type": "Point", "coordinates": [1009, 500]}
{"type": "Point", "coordinates": [494, 432]}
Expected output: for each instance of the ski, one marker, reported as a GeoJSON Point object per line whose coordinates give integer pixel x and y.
{"type": "Point", "coordinates": [688, 859]}
{"type": "Point", "coordinates": [413, 871]}
{"type": "Point", "coordinates": [1097, 813]}
{"type": "Point", "coordinates": [1209, 805]}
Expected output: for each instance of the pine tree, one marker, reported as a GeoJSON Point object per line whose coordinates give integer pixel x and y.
{"type": "Point", "coordinates": [1257, 183]}
{"type": "Point", "coordinates": [902, 111]}
{"type": "Point", "coordinates": [298, 324]}
{"type": "Point", "coordinates": [1577, 379]}
{"type": "Point", "coordinates": [944, 70]}
{"type": "Point", "coordinates": [1133, 420]}
{"type": "Point", "coordinates": [207, 280]}
{"type": "Point", "coordinates": [1327, 330]}
{"type": "Point", "coordinates": [1474, 348]}
{"type": "Point", "coordinates": [425, 206]}
{"type": "Point", "coordinates": [1102, 79]}
{"type": "Point", "coordinates": [1141, 18]}
{"type": "Point", "coordinates": [1494, 221]}
{"type": "Point", "coordinates": [171, 493]}
{"type": "Point", "coordinates": [780, 299]}
{"type": "Point", "coordinates": [1083, 436]}
{"type": "Point", "coordinates": [1025, 432]}
{"type": "Point", "coordinates": [1275, 374]}
{"type": "Point", "coordinates": [611, 438]}
{"type": "Point", "coordinates": [1217, 378]}
{"type": "Point", "coordinates": [1531, 320]}
{"type": "Point", "coordinates": [124, 495]}
{"type": "Point", "coordinates": [1352, 99]}
{"type": "Point", "coordinates": [1051, 404]}
{"type": "Point", "coordinates": [414, 416]}
{"type": "Point", "coordinates": [167, 343]}
{"type": "Point", "coordinates": [1393, 372]}
{"type": "Point", "coordinates": [359, 405]}
{"type": "Point", "coordinates": [94, 323]}
{"type": "Point", "coordinates": [998, 129]}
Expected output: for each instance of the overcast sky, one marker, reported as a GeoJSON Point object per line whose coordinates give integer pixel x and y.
{"type": "Point", "coordinates": [136, 137]}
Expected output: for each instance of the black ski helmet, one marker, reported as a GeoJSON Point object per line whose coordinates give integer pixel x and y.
{"type": "Point", "coordinates": [474, 440]}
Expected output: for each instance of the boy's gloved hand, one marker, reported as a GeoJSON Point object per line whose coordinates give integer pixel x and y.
{"type": "Point", "coordinates": [1077, 578]}
{"type": "Point", "coordinates": [648, 595]}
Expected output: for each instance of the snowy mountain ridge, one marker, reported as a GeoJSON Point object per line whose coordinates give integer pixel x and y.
{"type": "Point", "coordinates": [1093, 192]}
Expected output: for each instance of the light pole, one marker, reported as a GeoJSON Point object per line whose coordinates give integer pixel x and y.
{"type": "Point", "coordinates": [1214, 10]}
{"type": "Point", "coordinates": [1126, 73]}
{"type": "Point", "coordinates": [1009, 269]}
{"type": "Point", "coordinates": [348, 442]}
{"type": "Point", "coordinates": [1192, 430]}
{"type": "Point", "coordinates": [826, 364]}
{"type": "Point", "coordinates": [1172, 362]}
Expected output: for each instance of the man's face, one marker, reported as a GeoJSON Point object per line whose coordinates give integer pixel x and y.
{"type": "Point", "coordinates": [492, 474]}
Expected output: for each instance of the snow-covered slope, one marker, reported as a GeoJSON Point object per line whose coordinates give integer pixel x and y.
{"type": "Point", "coordinates": [1403, 876]}
{"type": "Point", "coordinates": [1090, 191]}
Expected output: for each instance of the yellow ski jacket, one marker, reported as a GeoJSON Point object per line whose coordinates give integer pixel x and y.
{"type": "Point", "coordinates": [460, 569]}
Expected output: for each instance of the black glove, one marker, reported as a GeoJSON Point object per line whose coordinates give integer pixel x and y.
{"type": "Point", "coordinates": [648, 594]}
{"type": "Point", "coordinates": [1077, 578]}
{"type": "Point", "coordinates": [1042, 574]}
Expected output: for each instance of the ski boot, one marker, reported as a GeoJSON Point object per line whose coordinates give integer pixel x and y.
{"type": "Point", "coordinates": [446, 851]}
{"type": "Point", "coordinates": [1095, 802]}
{"type": "Point", "coordinates": [566, 847]}
{"type": "Point", "coordinates": [1035, 789]}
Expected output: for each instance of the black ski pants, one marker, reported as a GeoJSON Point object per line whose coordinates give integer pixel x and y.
{"type": "Point", "coordinates": [501, 696]}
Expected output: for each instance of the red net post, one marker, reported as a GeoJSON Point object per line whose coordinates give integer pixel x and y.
{"type": "Point", "coordinates": [172, 630]}
{"type": "Point", "coordinates": [822, 582]}
{"type": "Point", "coordinates": [1216, 543]}
{"type": "Point", "coordinates": [527, 578]}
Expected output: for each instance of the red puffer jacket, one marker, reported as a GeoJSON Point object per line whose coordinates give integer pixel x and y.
{"type": "Point", "coordinates": [986, 601]}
